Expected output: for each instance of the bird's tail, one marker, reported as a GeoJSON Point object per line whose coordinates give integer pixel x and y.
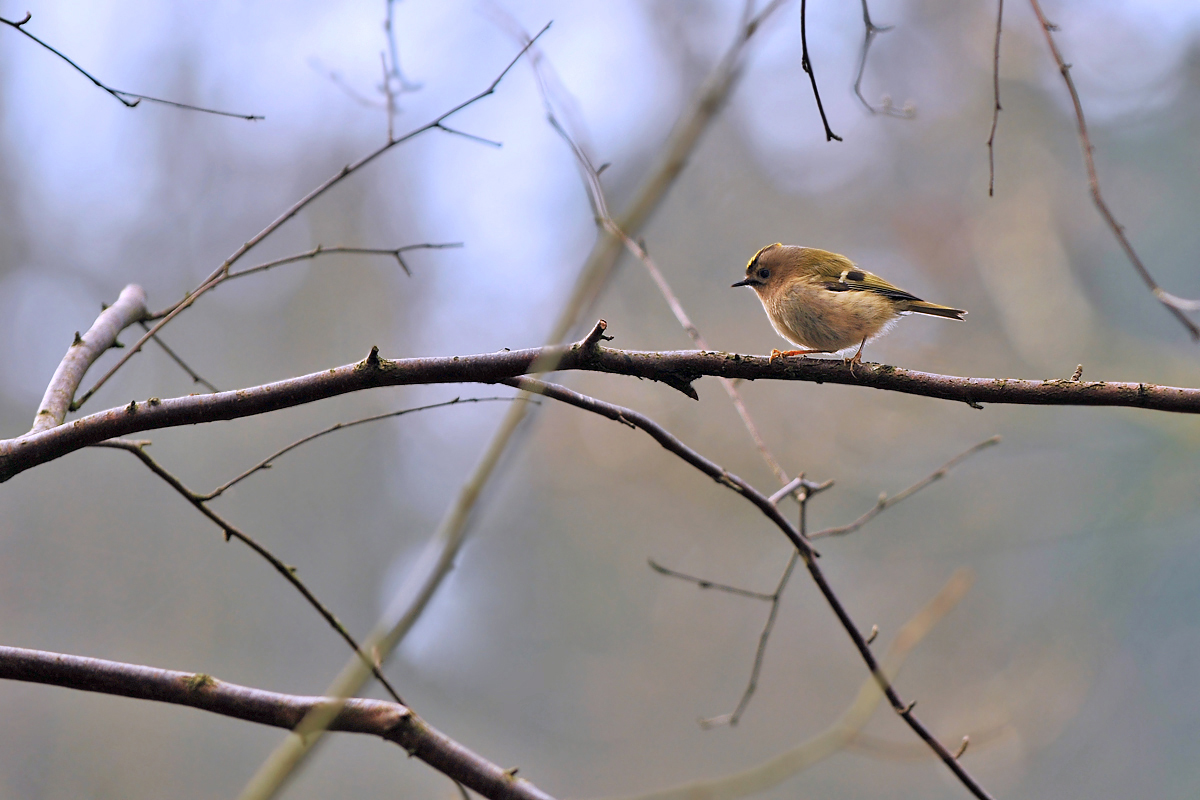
{"type": "Point", "coordinates": [934, 310]}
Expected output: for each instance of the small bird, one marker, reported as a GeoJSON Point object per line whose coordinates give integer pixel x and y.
{"type": "Point", "coordinates": [825, 304]}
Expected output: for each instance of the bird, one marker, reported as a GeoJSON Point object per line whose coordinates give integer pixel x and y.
{"type": "Point", "coordinates": [824, 303]}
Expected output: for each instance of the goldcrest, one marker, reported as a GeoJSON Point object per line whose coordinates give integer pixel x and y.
{"type": "Point", "coordinates": [823, 303]}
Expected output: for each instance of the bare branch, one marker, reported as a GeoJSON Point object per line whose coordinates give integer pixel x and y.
{"type": "Point", "coordinates": [438, 556]}
{"type": "Point", "coordinates": [796, 537]}
{"type": "Point", "coordinates": [221, 273]}
{"type": "Point", "coordinates": [886, 502]}
{"type": "Point", "coordinates": [1176, 305]}
{"type": "Point", "coordinates": [138, 448]}
{"type": "Point", "coordinates": [390, 721]}
{"type": "Point", "coordinates": [996, 105]}
{"type": "Point", "coordinates": [117, 93]}
{"type": "Point", "coordinates": [677, 369]}
{"type": "Point", "coordinates": [83, 352]}
{"type": "Point", "coordinates": [845, 731]}
{"type": "Point", "coordinates": [704, 583]}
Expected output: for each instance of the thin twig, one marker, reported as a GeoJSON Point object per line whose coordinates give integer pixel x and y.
{"type": "Point", "coordinates": [395, 252]}
{"type": "Point", "coordinates": [138, 448]}
{"type": "Point", "coordinates": [996, 105]}
{"type": "Point", "coordinates": [1176, 305]}
{"type": "Point", "coordinates": [794, 535]}
{"type": "Point", "coordinates": [886, 502]}
{"type": "Point", "coordinates": [844, 732]}
{"type": "Point", "coordinates": [195, 376]}
{"type": "Point", "coordinates": [221, 273]}
{"type": "Point", "coordinates": [806, 64]}
{"type": "Point", "coordinates": [760, 653]}
{"type": "Point", "coordinates": [118, 93]}
{"type": "Point", "coordinates": [267, 462]}
{"type": "Point", "coordinates": [705, 583]}
{"type": "Point", "coordinates": [871, 31]}
{"type": "Point", "coordinates": [391, 721]}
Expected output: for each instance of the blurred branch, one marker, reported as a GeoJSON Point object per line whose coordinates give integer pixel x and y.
{"type": "Point", "coordinates": [83, 352]}
{"type": "Point", "coordinates": [182, 364]}
{"type": "Point", "coordinates": [677, 369]}
{"type": "Point", "coordinates": [873, 30]}
{"type": "Point", "coordinates": [435, 561]}
{"type": "Point", "coordinates": [221, 273]}
{"type": "Point", "coordinates": [795, 536]}
{"type": "Point", "coordinates": [844, 731]}
{"type": "Point", "coordinates": [369, 660]}
{"type": "Point", "coordinates": [390, 721]}
{"type": "Point", "coordinates": [996, 106]}
{"type": "Point", "coordinates": [18, 25]}
{"type": "Point", "coordinates": [806, 65]}
{"type": "Point", "coordinates": [595, 190]}
{"type": "Point", "coordinates": [1176, 305]}
{"type": "Point", "coordinates": [886, 502]}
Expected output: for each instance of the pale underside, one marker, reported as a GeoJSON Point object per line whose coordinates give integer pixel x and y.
{"type": "Point", "coordinates": [815, 318]}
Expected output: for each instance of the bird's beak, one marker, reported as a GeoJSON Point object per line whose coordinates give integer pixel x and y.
{"type": "Point", "coordinates": [744, 282]}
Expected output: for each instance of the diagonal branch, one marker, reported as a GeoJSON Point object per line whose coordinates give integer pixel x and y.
{"type": "Point", "coordinates": [807, 554]}
{"type": "Point", "coordinates": [1176, 305]}
{"type": "Point", "coordinates": [83, 352]}
{"type": "Point", "coordinates": [138, 448]}
{"type": "Point", "coordinates": [390, 721]}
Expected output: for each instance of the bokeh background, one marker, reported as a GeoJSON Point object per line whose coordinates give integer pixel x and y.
{"type": "Point", "coordinates": [552, 646]}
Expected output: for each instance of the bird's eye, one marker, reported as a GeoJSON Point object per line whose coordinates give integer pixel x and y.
{"type": "Point", "coordinates": [764, 273]}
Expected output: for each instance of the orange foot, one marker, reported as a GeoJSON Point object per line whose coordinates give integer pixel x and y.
{"type": "Point", "coordinates": [787, 353]}
{"type": "Point", "coordinates": [856, 360]}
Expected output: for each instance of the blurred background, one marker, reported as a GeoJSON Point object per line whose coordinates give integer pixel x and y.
{"type": "Point", "coordinates": [552, 646]}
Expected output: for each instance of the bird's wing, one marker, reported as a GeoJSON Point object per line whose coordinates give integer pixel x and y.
{"type": "Point", "coordinates": [855, 279]}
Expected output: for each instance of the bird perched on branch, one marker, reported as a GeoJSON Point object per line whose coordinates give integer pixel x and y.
{"type": "Point", "coordinates": [825, 304]}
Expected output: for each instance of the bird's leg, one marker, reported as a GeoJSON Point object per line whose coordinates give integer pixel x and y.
{"type": "Point", "coordinates": [857, 357]}
{"type": "Point", "coordinates": [786, 353]}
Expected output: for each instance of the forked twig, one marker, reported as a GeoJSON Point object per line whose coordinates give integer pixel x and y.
{"type": "Point", "coordinates": [844, 732]}
{"type": "Point", "coordinates": [871, 31]}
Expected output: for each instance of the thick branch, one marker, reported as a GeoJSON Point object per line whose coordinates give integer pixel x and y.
{"type": "Point", "coordinates": [676, 368]}
{"type": "Point", "coordinates": [390, 721]}
{"type": "Point", "coordinates": [129, 308]}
